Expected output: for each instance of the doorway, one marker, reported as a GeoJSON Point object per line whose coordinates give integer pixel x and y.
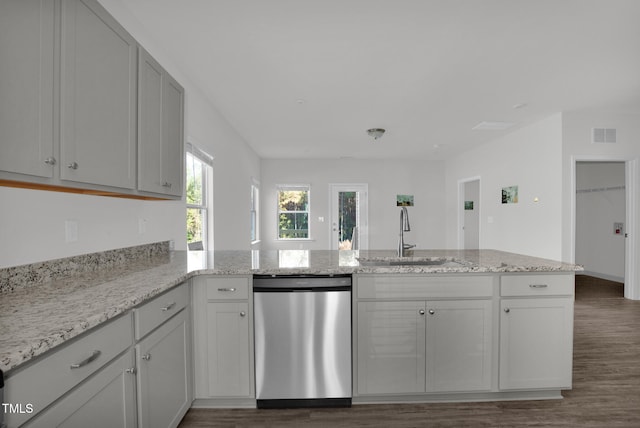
{"type": "Point", "coordinates": [349, 216]}
{"type": "Point", "coordinates": [624, 231]}
{"type": "Point", "coordinates": [601, 219]}
{"type": "Point", "coordinates": [469, 214]}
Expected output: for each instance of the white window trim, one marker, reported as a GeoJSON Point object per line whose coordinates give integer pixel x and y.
{"type": "Point", "coordinates": [255, 206]}
{"type": "Point", "coordinates": [207, 193]}
{"type": "Point", "coordinates": [280, 187]}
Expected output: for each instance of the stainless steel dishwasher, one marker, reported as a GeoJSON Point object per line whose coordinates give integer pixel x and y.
{"type": "Point", "coordinates": [302, 340]}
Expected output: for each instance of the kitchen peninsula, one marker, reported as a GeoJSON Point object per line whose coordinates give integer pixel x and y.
{"type": "Point", "coordinates": [488, 300]}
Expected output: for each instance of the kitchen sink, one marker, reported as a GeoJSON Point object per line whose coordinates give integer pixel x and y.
{"type": "Point", "coordinates": [411, 261]}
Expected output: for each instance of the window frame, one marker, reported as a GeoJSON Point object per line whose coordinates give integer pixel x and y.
{"type": "Point", "coordinates": [293, 187]}
{"type": "Point", "coordinates": [206, 204]}
{"type": "Point", "coordinates": [254, 212]}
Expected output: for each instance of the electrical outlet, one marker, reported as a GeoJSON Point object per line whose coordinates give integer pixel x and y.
{"type": "Point", "coordinates": [71, 230]}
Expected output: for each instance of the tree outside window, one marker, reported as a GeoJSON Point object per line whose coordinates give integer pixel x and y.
{"type": "Point", "coordinates": [293, 212]}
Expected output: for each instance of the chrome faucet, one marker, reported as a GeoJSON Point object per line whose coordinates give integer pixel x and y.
{"type": "Point", "coordinates": [404, 227]}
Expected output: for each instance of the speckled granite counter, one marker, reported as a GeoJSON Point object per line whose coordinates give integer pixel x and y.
{"type": "Point", "coordinates": [38, 314]}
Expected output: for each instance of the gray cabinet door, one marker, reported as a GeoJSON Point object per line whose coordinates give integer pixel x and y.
{"type": "Point", "coordinates": [98, 97]}
{"type": "Point", "coordinates": [26, 86]}
{"type": "Point", "coordinates": [391, 347]}
{"type": "Point", "coordinates": [160, 129]}
{"type": "Point", "coordinates": [106, 400]}
{"type": "Point", "coordinates": [164, 365]}
{"type": "Point", "coordinates": [536, 343]}
{"type": "Point", "coordinates": [459, 344]}
{"type": "Point", "coordinates": [173, 137]}
{"type": "Point", "coordinates": [228, 349]}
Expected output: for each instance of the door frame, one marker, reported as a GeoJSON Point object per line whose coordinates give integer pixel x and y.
{"type": "Point", "coordinates": [632, 171]}
{"type": "Point", "coordinates": [460, 209]}
{"type": "Point", "coordinates": [363, 213]}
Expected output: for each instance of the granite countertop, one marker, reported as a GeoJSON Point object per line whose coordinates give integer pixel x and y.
{"type": "Point", "coordinates": [36, 318]}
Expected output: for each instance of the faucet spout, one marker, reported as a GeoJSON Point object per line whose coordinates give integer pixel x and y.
{"type": "Point", "coordinates": [404, 227]}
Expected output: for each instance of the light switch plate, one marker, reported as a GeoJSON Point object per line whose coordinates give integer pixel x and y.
{"type": "Point", "coordinates": [71, 230]}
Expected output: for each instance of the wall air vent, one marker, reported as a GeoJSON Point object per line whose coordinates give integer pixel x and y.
{"type": "Point", "coordinates": [603, 135]}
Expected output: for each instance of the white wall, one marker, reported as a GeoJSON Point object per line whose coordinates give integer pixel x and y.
{"type": "Point", "coordinates": [600, 201]}
{"type": "Point", "coordinates": [32, 222]}
{"type": "Point", "coordinates": [529, 158]}
{"type": "Point", "coordinates": [386, 179]}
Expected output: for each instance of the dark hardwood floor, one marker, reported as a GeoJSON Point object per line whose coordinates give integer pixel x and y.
{"type": "Point", "coordinates": [606, 384]}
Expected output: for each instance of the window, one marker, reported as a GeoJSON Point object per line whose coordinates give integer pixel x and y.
{"type": "Point", "coordinates": [199, 196]}
{"type": "Point", "coordinates": [293, 212]}
{"type": "Point", "coordinates": [255, 213]}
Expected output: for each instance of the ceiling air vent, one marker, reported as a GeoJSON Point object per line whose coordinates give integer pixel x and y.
{"type": "Point", "coordinates": [603, 135]}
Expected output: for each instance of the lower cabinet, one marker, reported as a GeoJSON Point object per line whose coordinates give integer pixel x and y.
{"type": "Point", "coordinates": [106, 401]}
{"type": "Point", "coordinates": [163, 361]}
{"type": "Point", "coordinates": [536, 331]}
{"type": "Point", "coordinates": [424, 346]}
{"type": "Point", "coordinates": [223, 340]}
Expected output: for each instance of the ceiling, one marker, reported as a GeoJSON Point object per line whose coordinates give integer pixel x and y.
{"type": "Point", "coordinates": [307, 78]}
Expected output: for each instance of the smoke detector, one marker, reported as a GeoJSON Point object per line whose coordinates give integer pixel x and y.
{"type": "Point", "coordinates": [376, 132]}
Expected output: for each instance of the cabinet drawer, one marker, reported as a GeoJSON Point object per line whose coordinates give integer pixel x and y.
{"type": "Point", "coordinates": [537, 285]}
{"type": "Point", "coordinates": [425, 287]}
{"type": "Point", "coordinates": [152, 314]}
{"type": "Point", "coordinates": [227, 288]}
{"type": "Point", "coordinates": [52, 376]}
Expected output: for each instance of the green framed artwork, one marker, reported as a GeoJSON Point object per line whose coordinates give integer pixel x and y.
{"type": "Point", "coordinates": [510, 195]}
{"type": "Point", "coordinates": [404, 200]}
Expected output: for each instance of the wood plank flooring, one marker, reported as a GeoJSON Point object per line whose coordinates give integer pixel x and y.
{"type": "Point", "coordinates": [606, 385]}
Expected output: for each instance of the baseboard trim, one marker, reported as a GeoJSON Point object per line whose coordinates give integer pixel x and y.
{"type": "Point", "coordinates": [601, 276]}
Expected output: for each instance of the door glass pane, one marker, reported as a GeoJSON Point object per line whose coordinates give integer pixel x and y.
{"type": "Point", "coordinates": [347, 219]}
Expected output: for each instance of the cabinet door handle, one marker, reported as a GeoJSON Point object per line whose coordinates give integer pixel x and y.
{"type": "Point", "coordinates": [538, 285]}
{"type": "Point", "coordinates": [73, 165]}
{"type": "Point", "coordinates": [421, 311]}
{"type": "Point", "coordinates": [130, 370]}
{"type": "Point", "coordinates": [230, 290]}
{"type": "Point", "coordinates": [146, 356]}
{"type": "Point", "coordinates": [50, 161]}
{"type": "Point", "coordinates": [168, 307]}
{"type": "Point", "coordinates": [507, 310]}
{"type": "Point", "coordinates": [94, 355]}
{"type": "Point", "coordinates": [431, 312]}
{"type": "Point", "coordinates": [166, 184]}
{"type": "Point", "coordinates": [243, 313]}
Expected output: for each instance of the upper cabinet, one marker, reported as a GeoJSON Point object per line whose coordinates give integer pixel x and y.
{"type": "Point", "coordinates": [98, 97]}
{"type": "Point", "coordinates": [83, 106]}
{"type": "Point", "coordinates": [160, 128]}
{"type": "Point", "coordinates": [26, 87]}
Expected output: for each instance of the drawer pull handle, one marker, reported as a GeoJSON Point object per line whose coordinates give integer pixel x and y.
{"type": "Point", "coordinates": [507, 310]}
{"type": "Point", "coordinates": [94, 355]}
{"type": "Point", "coordinates": [538, 285]}
{"type": "Point", "coordinates": [231, 290]}
{"type": "Point", "coordinates": [168, 307]}
{"type": "Point", "coordinates": [146, 356]}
